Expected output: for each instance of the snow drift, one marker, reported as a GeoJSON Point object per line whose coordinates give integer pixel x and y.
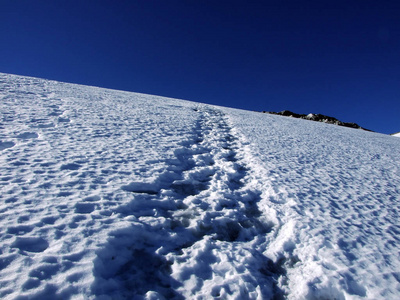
{"type": "Point", "coordinates": [115, 195]}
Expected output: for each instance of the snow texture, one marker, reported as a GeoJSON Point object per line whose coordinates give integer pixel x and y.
{"type": "Point", "coordinates": [115, 195]}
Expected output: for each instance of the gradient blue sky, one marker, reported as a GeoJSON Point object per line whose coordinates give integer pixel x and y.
{"type": "Point", "coordinates": [339, 58]}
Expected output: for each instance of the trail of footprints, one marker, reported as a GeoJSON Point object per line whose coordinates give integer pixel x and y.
{"type": "Point", "coordinates": [201, 202]}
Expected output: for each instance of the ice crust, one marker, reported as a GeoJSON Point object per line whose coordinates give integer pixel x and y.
{"type": "Point", "coordinates": [115, 195]}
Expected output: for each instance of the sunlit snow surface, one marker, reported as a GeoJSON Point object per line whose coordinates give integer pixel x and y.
{"type": "Point", "coordinates": [116, 195]}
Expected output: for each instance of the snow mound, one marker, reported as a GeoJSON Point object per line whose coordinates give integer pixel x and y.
{"type": "Point", "coordinates": [115, 195]}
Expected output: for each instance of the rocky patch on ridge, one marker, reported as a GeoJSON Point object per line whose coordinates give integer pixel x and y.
{"type": "Point", "coordinates": [317, 118]}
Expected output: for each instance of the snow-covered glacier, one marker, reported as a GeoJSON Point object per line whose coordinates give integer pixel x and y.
{"type": "Point", "coordinates": [108, 194]}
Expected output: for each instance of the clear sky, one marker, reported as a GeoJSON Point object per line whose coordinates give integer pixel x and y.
{"type": "Point", "coordinates": [339, 58]}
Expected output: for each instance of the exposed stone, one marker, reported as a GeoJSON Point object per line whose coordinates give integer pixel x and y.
{"type": "Point", "coordinates": [317, 118]}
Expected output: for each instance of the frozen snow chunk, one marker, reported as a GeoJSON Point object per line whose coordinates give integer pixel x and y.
{"type": "Point", "coordinates": [5, 145]}
{"type": "Point", "coordinates": [310, 116]}
{"type": "Point", "coordinates": [28, 135]}
{"type": "Point", "coordinates": [30, 244]}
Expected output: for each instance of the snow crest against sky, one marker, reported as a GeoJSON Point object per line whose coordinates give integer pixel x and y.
{"type": "Point", "coordinates": [338, 58]}
{"type": "Point", "coordinates": [107, 194]}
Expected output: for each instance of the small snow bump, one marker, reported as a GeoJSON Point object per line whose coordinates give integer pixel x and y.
{"type": "Point", "coordinates": [31, 244]}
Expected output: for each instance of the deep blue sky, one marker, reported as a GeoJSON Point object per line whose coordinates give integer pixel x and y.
{"type": "Point", "coordinates": [339, 58]}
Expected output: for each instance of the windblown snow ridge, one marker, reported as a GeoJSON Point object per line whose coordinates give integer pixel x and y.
{"type": "Point", "coordinates": [197, 230]}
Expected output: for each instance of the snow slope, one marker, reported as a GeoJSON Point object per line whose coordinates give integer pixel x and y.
{"type": "Point", "coordinates": [396, 134]}
{"type": "Point", "coordinates": [114, 195]}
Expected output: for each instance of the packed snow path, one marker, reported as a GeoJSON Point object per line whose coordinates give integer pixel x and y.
{"type": "Point", "coordinates": [196, 231]}
{"type": "Point", "coordinates": [114, 195]}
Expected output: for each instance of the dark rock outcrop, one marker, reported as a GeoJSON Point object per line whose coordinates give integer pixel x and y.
{"type": "Point", "coordinates": [317, 118]}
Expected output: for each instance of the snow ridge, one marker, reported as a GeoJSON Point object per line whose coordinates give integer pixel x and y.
{"type": "Point", "coordinates": [195, 231]}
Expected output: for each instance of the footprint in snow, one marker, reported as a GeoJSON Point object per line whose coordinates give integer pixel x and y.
{"type": "Point", "coordinates": [63, 120]}
{"type": "Point", "coordinates": [41, 123]}
{"type": "Point", "coordinates": [20, 229]}
{"type": "Point", "coordinates": [92, 198]}
{"type": "Point", "coordinates": [27, 135]}
{"type": "Point", "coordinates": [84, 207]}
{"type": "Point", "coordinates": [46, 125]}
{"type": "Point", "coordinates": [49, 220]}
{"type": "Point", "coordinates": [5, 145]}
{"type": "Point", "coordinates": [71, 166]}
{"type": "Point", "coordinates": [45, 271]}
